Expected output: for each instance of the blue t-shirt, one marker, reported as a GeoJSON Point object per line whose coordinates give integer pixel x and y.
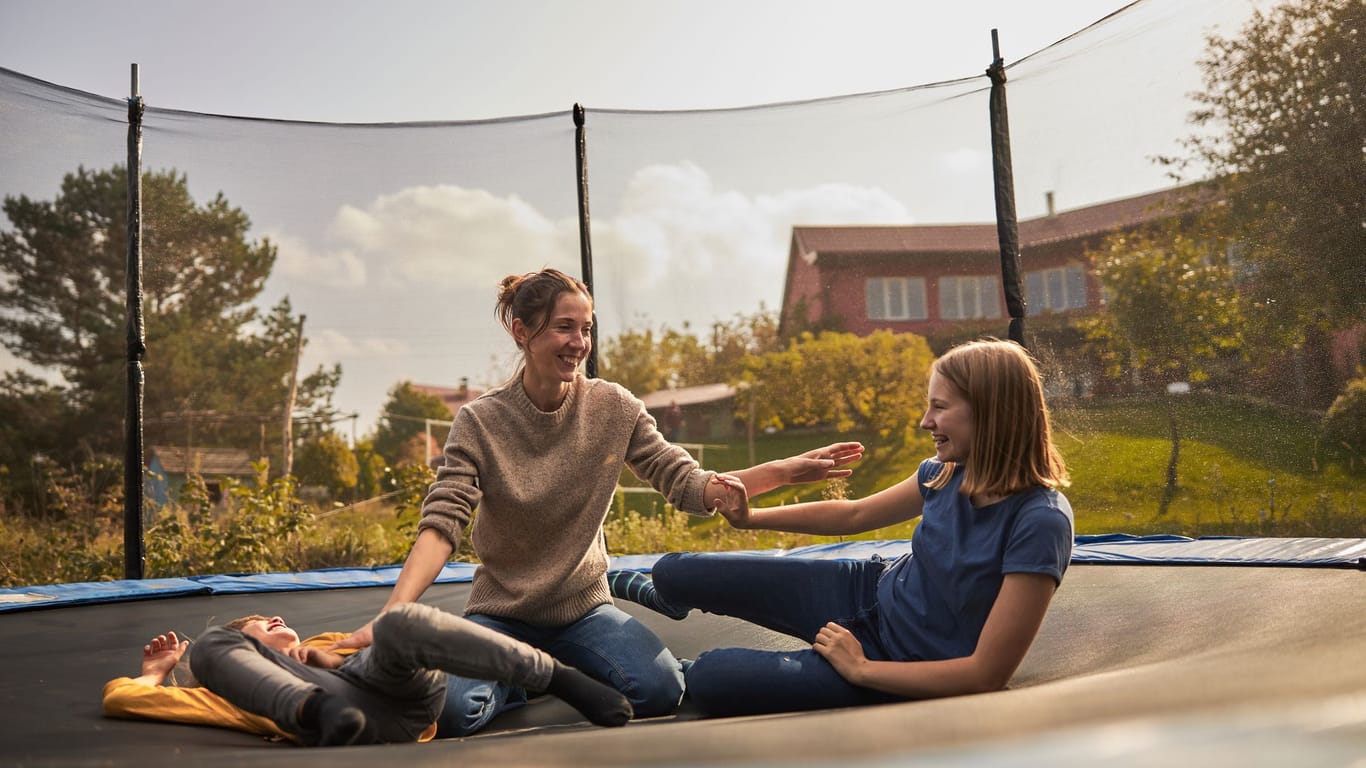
{"type": "Point", "coordinates": [934, 600]}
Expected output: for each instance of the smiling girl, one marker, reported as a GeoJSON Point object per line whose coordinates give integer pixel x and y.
{"type": "Point", "coordinates": [540, 457]}
{"type": "Point", "coordinates": [954, 616]}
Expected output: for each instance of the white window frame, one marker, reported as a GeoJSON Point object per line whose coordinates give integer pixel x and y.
{"type": "Point", "coordinates": [882, 294]}
{"type": "Point", "coordinates": [1062, 289]}
{"type": "Point", "coordinates": [969, 297]}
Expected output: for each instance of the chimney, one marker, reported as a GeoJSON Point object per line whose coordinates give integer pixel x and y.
{"type": "Point", "coordinates": [1048, 199]}
{"type": "Point", "coordinates": [464, 387]}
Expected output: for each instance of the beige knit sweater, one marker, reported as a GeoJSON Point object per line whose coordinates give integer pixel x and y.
{"type": "Point", "coordinates": [543, 484]}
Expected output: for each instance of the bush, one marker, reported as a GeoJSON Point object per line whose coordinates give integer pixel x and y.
{"type": "Point", "coordinates": [1344, 426]}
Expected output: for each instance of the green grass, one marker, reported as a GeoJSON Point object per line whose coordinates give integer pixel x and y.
{"type": "Point", "coordinates": [1245, 469]}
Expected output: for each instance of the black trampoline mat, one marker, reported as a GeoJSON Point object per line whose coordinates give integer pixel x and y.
{"type": "Point", "coordinates": [1213, 659]}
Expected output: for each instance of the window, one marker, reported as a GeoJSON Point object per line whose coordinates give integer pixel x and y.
{"type": "Point", "coordinates": [968, 297]}
{"type": "Point", "coordinates": [1056, 290]}
{"type": "Point", "coordinates": [896, 298]}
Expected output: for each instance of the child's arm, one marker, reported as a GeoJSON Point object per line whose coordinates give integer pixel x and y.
{"type": "Point", "coordinates": [837, 517]}
{"type": "Point", "coordinates": [1010, 629]}
{"type": "Point", "coordinates": [159, 657]}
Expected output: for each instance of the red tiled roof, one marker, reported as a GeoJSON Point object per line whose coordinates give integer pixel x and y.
{"type": "Point", "coordinates": [705, 393]}
{"type": "Point", "coordinates": [453, 397]}
{"type": "Point", "coordinates": [982, 238]}
{"type": "Point", "coordinates": [215, 462]}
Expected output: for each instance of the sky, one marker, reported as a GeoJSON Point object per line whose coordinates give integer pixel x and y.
{"type": "Point", "coordinates": [392, 243]}
{"type": "Point", "coordinates": [407, 60]}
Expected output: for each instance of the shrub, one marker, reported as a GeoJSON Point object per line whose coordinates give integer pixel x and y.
{"type": "Point", "coordinates": [1344, 426]}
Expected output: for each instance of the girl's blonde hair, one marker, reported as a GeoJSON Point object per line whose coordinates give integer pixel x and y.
{"type": "Point", "coordinates": [1012, 439]}
{"type": "Point", "coordinates": [531, 297]}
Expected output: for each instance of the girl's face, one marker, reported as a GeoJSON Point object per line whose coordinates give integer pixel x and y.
{"type": "Point", "coordinates": [948, 417]}
{"type": "Point", "coordinates": [272, 632]}
{"type": "Point", "coordinates": [554, 355]}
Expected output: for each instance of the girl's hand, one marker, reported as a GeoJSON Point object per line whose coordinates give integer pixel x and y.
{"type": "Point", "coordinates": [160, 655]}
{"type": "Point", "coordinates": [730, 499]}
{"type": "Point", "coordinates": [822, 463]}
{"type": "Point", "coordinates": [317, 657]}
{"type": "Point", "coordinates": [838, 646]}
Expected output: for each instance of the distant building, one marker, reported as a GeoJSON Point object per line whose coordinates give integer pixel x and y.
{"type": "Point", "coordinates": [925, 278]}
{"type": "Point", "coordinates": [708, 411]}
{"type": "Point", "coordinates": [454, 398]}
{"type": "Point", "coordinates": [169, 467]}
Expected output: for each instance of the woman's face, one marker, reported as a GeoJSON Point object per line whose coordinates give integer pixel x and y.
{"type": "Point", "coordinates": [554, 355]}
{"type": "Point", "coordinates": [948, 417]}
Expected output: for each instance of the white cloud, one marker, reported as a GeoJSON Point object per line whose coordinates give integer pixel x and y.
{"type": "Point", "coordinates": [681, 249]}
{"type": "Point", "coordinates": [328, 344]}
{"type": "Point", "coordinates": [423, 264]}
{"type": "Point", "coordinates": [296, 260]}
{"type": "Point", "coordinates": [449, 234]}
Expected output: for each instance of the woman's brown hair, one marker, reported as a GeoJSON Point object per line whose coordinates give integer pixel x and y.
{"type": "Point", "coordinates": [1012, 438]}
{"type": "Point", "coordinates": [530, 298]}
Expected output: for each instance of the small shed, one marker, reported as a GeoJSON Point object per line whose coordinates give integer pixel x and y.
{"type": "Point", "coordinates": [708, 412]}
{"type": "Point", "coordinates": [168, 468]}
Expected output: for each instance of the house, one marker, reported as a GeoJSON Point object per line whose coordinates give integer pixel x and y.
{"type": "Point", "coordinates": [708, 411]}
{"type": "Point", "coordinates": [169, 467]}
{"type": "Point", "coordinates": [927, 278]}
{"type": "Point", "coordinates": [432, 434]}
{"type": "Point", "coordinates": [454, 398]}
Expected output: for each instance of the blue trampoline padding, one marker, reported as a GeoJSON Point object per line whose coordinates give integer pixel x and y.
{"type": "Point", "coordinates": [1119, 548]}
{"type": "Point", "coordinates": [225, 584]}
{"type": "Point", "coordinates": [1105, 549]}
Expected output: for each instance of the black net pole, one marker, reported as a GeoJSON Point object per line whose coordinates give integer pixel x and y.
{"type": "Point", "coordinates": [585, 240]}
{"type": "Point", "coordinates": [134, 550]}
{"type": "Point", "coordinates": [1007, 226]}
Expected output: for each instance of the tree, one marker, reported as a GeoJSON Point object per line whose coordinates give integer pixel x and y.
{"type": "Point", "coordinates": [1282, 121]}
{"type": "Point", "coordinates": [874, 384]}
{"type": "Point", "coordinates": [1174, 308]}
{"type": "Point", "coordinates": [403, 419]}
{"type": "Point", "coordinates": [646, 361]}
{"type": "Point", "coordinates": [1174, 311]}
{"type": "Point", "coordinates": [326, 460]}
{"type": "Point", "coordinates": [211, 379]}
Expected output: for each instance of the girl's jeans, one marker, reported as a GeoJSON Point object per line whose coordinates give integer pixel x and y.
{"type": "Point", "coordinates": [790, 595]}
{"type": "Point", "coordinates": [606, 644]}
{"type": "Point", "coordinates": [399, 682]}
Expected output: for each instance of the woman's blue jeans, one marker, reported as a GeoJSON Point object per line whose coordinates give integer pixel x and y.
{"type": "Point", "coordinates": [606, 644]}
{"type": "Point", "coordinates": [793, 596]}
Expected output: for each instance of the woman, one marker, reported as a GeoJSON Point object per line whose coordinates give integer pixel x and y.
{"type": "Point", "coordinates": [540, 457]}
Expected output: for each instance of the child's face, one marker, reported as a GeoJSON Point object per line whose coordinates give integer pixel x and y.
{"type": "Point", "coordinates": [272, 632]}
{"type": "Point", "coordinates": [948, 417]}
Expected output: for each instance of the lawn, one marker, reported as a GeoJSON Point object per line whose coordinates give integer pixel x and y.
{"type": "Point", "coordinates": [1245, 469]}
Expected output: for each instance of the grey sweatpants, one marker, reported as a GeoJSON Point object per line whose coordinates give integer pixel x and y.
{"type": "Point", "coordinates": [399, 682]}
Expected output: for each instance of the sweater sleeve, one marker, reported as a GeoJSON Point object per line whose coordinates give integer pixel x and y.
{"type": "Point", "coordinates": [671, 470]}
{"type": "Point", "coordinates": [454, 495]}
{"type": "Point", "coordinates": [125, 697]}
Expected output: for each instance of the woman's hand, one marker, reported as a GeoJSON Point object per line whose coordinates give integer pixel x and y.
{"type": "Point", "coordinates": [361, 638]}
{"type": "Point", "coordinates": [838, 646]}
{"type": "Point", "coordinates": [726, 495]}
{"type": "Point", "coordinates": [821, 463]}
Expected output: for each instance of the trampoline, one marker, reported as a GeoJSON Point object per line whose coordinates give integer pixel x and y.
{"type": "Point", "coordinates": [1156, 651]}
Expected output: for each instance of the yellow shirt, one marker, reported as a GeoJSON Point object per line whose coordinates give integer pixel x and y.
{"type": "Point", "coordinates": [128, 698]}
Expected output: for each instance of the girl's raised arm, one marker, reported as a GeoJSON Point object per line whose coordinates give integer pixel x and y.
{"type": "Point", "coordinates": [837, 517]}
